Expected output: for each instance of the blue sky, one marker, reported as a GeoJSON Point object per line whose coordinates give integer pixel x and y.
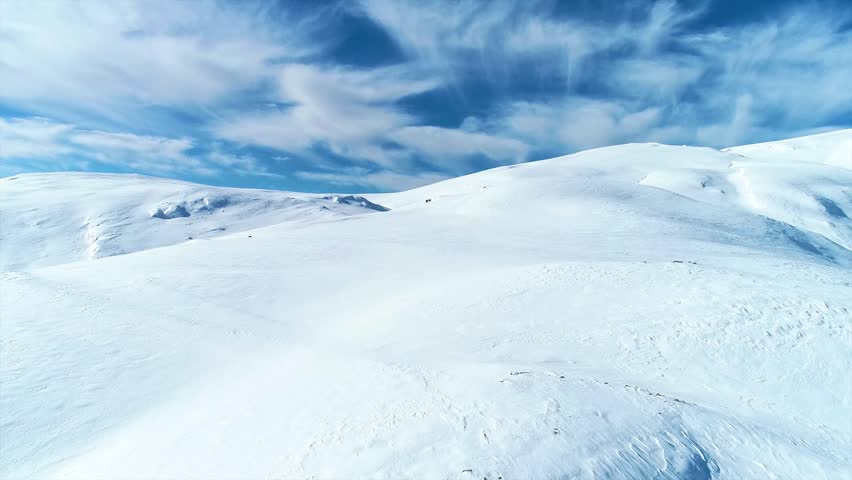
{"type": "Point", "coordinates": [382, 95]}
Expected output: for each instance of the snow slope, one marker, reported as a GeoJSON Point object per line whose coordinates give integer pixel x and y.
{"type": "Point", "coordinates": [630, 312]}
{"type": "Point", "coordinates": [52, 218]}
{"type": "Point", "coordinates": [832, 148]}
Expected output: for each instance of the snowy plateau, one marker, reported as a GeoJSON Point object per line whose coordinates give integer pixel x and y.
{"type": "Point", "coordinates": [640, 311]}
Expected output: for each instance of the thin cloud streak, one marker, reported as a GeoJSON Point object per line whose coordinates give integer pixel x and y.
{"type": "Point", "coordinates": [220, 89]}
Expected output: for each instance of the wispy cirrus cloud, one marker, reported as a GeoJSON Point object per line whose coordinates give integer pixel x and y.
{"type": "Point", "coordinates": [356, 114]}
{"type": "Point", "coordinates": [452, 145]}
{"type": "Point", "coordinates": [117, 59]}
{"type": "Point", "coordinates": [347, 110]}
{"type": "Point", "coordinates": [32, 138]}
{"type": "Point", "coordinates": [652, 71]}
{"type": "Point", "coordinates": [434, 88]}
{"type": "Point", "coordinates": [169, 148]}
{"type": "Point", "coordinates": [503, 39]}
{"type": "Point", "coordinates": [360, 177]}
{"type": "Point", "coordinates": [42, 141]}
{"type": "Point", "coordinates": [39, 142]}
{"type": "Point", "coordinates": [240, 164]}
{"type": "Point", "coordinates": [578, 123]}
{"type": "Point", "coordinates": [158, 155]}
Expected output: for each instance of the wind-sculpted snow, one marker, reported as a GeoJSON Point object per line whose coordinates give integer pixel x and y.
{"type": "Point", "coordinates": [49, 219]}
{"type": "Point", "coordinates": [355, 200]}
{"type": "Point", "coordinates": [633, 312]}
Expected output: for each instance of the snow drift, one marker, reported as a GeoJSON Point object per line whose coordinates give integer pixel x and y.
{"type": "Point", "coordinates": [638, 311]}
{"type": "Point", "coordinates": [56, 218]}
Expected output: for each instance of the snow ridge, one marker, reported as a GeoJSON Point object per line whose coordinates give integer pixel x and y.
{"type": "Point", "coordinates": [50, 219]}
{"type": "Point", "coordinates": [630, 312]}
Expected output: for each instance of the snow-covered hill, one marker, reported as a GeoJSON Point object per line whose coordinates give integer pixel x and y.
{"type": "Point", "coordinates": [54, 218]}
{"type": "Point", "coordinates": [832, 148]}
{"type": "Point", "coordinates": [808, 189]}
{"type": "Point", "coordinates": [631, 312]}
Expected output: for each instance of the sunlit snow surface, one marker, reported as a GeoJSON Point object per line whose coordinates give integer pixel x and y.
{"type": "Point", "coordinates": [632, 312]}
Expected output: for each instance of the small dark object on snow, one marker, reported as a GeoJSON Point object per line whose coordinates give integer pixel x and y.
{"type": "Point", "coordinates": [249, 236]}
{"type": "Point", "coordinates": [556, 431]}
{"type": "Point", "coordinates": [189, 238]}
{"type": "Point", "coordinates": [518, 373]}
{"type": "Point", "coordinates": [467, 470]}
{"type": "Point", "coordinates": [428, 200]}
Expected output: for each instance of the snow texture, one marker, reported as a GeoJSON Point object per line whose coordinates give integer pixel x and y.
{"type": "Point", "coordinates": [56, 218]}
{"type": "Point", "coordinates": [633, 312]}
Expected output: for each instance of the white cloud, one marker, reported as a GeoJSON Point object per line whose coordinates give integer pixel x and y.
{"type": "Point", "coordinates": [40, 141]}
{"type": "Point", "coordinates": [145, 153]}
{"type": "Point", "coordinates": [664, 19]}
{"type": "Point", "coordinates": [244, 165]}
{"type": "Point", "coordinates": [169, 148]}
{"type": "Point", "coordinates": [451, 38]}
{"type": "Point", "coordinates": [354, 114]}
{"type": "Point", "coordinates": [636, 75]}
{"type": "Point", "coordinates": [577, 123]}
{"type": "Point", "coordinates": [341, 86]}
{"type": "Point", "coordinates": [793, 70]}
{"type": "Point", "coordinates": [660, 79]}
{"type": "Point", "coordinates": [449, 144]}
{"type": "Point", "coordinates": [116, 58]}
{"type": "Point", "coordinates": [799, 67]}
{"type": "Point", "coordinates": [383, 180]}
{"type": "Point", "coordinates": [731, 132]}
{"type": "Point", "coordinates": [446, 34]}
{"type": "Point", "coordinates": [32, 138]}
{"type": "Point", "coordinates": [348, 111]}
